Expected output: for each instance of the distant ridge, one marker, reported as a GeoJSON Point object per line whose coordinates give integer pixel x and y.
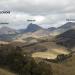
{"type": "Point", "coordinates": [7, 30]}
{"type": "Point", "coordinates": [51, 29]}
{"type": "Point", "coordinates": [67, 26]}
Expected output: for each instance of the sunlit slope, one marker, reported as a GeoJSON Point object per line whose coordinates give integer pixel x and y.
{"type": "Point", "coordinates": [49, 54]}
{"type": "Point", "coordinates": [65, 68]}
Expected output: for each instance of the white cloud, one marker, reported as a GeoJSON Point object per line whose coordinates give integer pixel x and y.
{"type": "Point", "coordinates": [45, 12]}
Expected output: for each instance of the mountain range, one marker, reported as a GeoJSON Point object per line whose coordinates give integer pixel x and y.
{"type": "Point", "coordinates": [34, 30]}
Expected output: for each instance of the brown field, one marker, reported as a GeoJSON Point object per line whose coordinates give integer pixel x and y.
{"type": "Point", "coordinates": [64, 68]}
{"type": "Point", "coordinates": [49, 54]}
{"type": "Point", "coordinates": [5, 72]}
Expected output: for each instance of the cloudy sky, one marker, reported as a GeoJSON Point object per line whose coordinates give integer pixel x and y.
{"type": "Point", "coordinates": [47, 13]}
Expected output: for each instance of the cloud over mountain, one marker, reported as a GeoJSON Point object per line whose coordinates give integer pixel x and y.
{"type": "Point", "coordinates": [47, 13]}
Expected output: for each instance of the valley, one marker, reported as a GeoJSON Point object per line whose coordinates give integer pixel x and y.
{"type": "Point", "coordinates": [39, 46]}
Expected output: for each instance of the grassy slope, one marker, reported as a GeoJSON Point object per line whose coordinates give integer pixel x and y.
{"type": "Point", "coordinates": [5, 72]}
{"type": "Point", "coordinates": [65, 68]}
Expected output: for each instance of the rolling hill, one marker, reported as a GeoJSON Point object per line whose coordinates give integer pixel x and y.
{"type": "Point", "coordinates": [67, 39]}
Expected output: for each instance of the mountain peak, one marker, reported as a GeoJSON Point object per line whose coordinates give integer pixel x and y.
{"type": "Point", "coordinates": [32, 27]}
{"type": "Point", "coordinates": [68, 25]}
{"type": "Point", "coordinates": [7, 30]}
